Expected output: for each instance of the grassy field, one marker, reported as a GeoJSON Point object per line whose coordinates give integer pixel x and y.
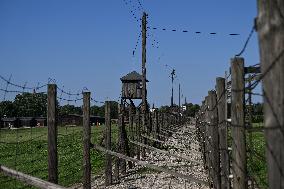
{"type": "Point", "coordinates": [26, 150]}
{"type": "Point", "coordinates": [256, 159]}
{"type": "Point", "coordinates": [257, 164]}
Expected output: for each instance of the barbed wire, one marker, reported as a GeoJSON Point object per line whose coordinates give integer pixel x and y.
{"type": "Point", "coordinates": [96, 101]}
{"type": "Point", "coordinates": [188, 31]}
{"type": "Point", "coordinates": [253, 152]}
{"type": "Point", "coordinates": [246, 42]}
{"type": "Point", "coordinates": [133, 9]}
{"type": "Point", "coordinates": [68, 93]}
{"type": "Point", "coordinates": [136, 45]}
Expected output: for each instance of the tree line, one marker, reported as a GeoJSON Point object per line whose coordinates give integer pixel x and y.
{"type": "Point", "coordinates": [35, 105]}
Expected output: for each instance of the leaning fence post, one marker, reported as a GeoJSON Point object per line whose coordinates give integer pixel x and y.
{"type": "Point", "coordinates": [86, 141]}
{"type": "Point", "coordinates": [238, 124]}
{"type": "Point", "coordinates": [108, 167]}
{"type": "Point", "coordinates": [52, 133]}
{"type": "Point", "coordinates": [214, 139]}
{"type": "Point", "coordinates": [223, 132]}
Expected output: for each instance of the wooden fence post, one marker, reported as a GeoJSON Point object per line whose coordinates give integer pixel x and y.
{"type": "Point", "coordinates": [138, 132]}
{"type": "Point", "coordinates": [120, 164]}
{"type": "Point", "coordinates": [238, 124]}
{"type": "Point", "coordinates": [118, 146]}
{"type": "Point", "coordinates": [52, 133]}
{"type": "Point", "coordinates": [271, 42]}
{"type": "Point", "coordinates": [131, 129]}
{"type": "Point", "coordinates": [156, 126]}
{"type": "Point", "coordinates": [144, 131]}
{"type": "Point", "coordinates": [202, 128]}
{"type": "Point", "coordinates": [86, 141]}
{"type": "Point", "coordinates": [206, 134]}
{"type": "Point", "coordinates": [223, 132]}
{"type": "Point", "coordinates": [214, 139]}
{"type": "Point", "coordinates": [108, 166]}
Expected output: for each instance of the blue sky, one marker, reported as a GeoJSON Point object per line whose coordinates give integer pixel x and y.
{"type": "Point", "coordinates": [89, 43]}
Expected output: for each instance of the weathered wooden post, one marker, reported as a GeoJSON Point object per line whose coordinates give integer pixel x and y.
{"type": "Point", "coordinates": [122, 137]}
{"type": "Point", "coordinates": [118, 146]}
{"type": "Point", "coordinates": [52, 133]}
{"type": "Point", "coordinates": [214, 139]}
{"type": "Point", "coordinates": [202, 128]}
{"type": "Point", "coordinates": [206, 125]}
{"type": "Point", "coordinates": [156, 126]}
{"type": "Point", "coordinates": [131, 130]}
{"type": "Point", "coordinates": [86, 141]}
{"type": "Point", "coordinates": [144, 131]}
{"type": "Point", "coordinates": [223, 132]}
{"type": "Point", "coordinates": [238, 124]}
{"type": "Point", "coordinates": [144, 80]}
{"type": "Point", "coordinates": [162, 122]}
{"type": "Point", "coordinates": [270, 29]}
{"type": "Point", "coordinates": [108, 160]}
{"type": "Point", "coordinates": [138, 132]}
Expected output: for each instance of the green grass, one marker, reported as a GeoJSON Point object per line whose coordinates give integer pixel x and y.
{"type": "Point", "coordinates": [256, 159]}
{"type": "Point", "coordinates": [256, 162]}
{"type": "Point", "coordinates": [26, 150]}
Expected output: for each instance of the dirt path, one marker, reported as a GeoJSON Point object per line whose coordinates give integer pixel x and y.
{"type": "Point", "coordinates": [184, 139]}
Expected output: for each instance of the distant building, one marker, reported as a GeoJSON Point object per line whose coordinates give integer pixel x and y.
{"type": "Point", "coordinates": [10, 122]}
{"type": "Point", "coordinates": [41, 121]}
{"type": "Point", "coordinates": [27, 122]}
{"type": "Point", "coordinates": [77, 120]}
{"type": "Point", "coordinates": [64, 120]}
{"type": "Point", "coordinates": [97, 120]}
{"type": "Point", "coordinates": [70, 120]}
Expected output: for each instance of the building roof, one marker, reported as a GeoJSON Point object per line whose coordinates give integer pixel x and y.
{"type": "Point", "coordinates": [9, 119]}
{"type": "Point", "coordinates": [40, 118]}
{"type": "Point", "coordinates": [132, 76]}
{"type": "Point", "coordinates": [26, 118]}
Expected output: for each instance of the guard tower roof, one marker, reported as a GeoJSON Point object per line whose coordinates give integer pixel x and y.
{"type": "Point", "coordinates": [132, 76]}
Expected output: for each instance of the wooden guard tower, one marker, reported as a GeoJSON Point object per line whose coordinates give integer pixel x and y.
{"type": "Point", "coordinates": [131, 86]}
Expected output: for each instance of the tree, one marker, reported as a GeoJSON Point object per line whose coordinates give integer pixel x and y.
{"type": "Point", "coordinates": [114, 110]}
{"type": "Point", "coordinates": [100, 110]}
{"type": "Point", "coordinates": [69, 109]}
{"type": "Point", "coordinates": [8, 109]}
{"type": "Point", "coordinates": [191, 109]}
{"type": "Point", "coordinates": [31, 104]}
{"type": "Point", "coordinates": [97, 111]}
{"type": "Point", "coordinates": [257, 113]}
{"type": "Point", "coordinates": [165, 109]}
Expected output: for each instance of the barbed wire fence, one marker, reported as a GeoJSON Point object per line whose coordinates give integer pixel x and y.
{"type": "Point", "coordinates": [240, 143]}
{"type": "Point", "coordinates": [18, 143]}
{"type": "Point", "coordinates": [24, 140]}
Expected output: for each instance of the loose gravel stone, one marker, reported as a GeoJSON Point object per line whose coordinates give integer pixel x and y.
{"type": "Point", "coordinates": [185, 143]}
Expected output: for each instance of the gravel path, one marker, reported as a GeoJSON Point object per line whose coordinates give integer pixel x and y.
{"type": "Point", "coordinates": [185, 138]}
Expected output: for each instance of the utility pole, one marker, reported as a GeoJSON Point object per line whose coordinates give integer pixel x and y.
{"type": "Point", "coordinates": [172, 76]}
{"type": "Point", "coordinates": [179, 96]}
{"type": "Point", "coordinates": [144, 90]}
